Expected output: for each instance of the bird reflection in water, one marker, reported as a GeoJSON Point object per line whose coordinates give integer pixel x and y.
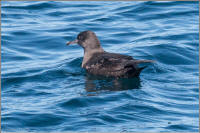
{"type": "Point", "coordinates": [99, 84]}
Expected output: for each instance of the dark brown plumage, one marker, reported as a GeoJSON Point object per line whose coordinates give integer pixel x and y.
{"type": "Point", "coordinates": [98, 62]}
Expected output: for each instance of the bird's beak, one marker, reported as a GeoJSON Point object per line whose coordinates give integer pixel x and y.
{"type": "Point", "coordinates": [72, 42]}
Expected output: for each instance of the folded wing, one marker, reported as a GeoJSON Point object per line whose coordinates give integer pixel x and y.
{"type": "Point", "coordinates": [114, 65]}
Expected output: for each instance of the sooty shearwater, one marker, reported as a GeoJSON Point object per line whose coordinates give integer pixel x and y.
{"type": "Point", "coordinates": [99, 62]}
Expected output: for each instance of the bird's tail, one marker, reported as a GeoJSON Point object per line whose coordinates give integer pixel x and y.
{"type": "Point", "coordinates": [135, 72]}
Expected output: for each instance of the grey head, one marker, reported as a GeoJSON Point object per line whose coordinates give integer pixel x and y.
{"type": "Point", "coordinates": [90, 43]}
{"type": "Point", "coordinates": [87, 40]}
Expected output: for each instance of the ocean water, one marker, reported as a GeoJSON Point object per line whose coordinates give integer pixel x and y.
{"type": "Point", "coordinates": [44, 87]}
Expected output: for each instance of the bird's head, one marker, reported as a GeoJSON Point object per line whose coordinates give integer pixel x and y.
{"type": "Point", "coordinates": [87, 40]}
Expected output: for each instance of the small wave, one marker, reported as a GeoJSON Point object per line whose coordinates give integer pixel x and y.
{"type": "Point", "coordinates": [33, 6]}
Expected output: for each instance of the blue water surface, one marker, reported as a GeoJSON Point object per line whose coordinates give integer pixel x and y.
{"type": "Point", "coordinates": [44, 87]}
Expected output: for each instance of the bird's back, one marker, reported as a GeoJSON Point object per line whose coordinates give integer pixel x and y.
{"type": "Point", "coordinates": [112, 65]}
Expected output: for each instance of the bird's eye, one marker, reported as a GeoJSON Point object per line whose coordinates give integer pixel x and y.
{"type": "Point", "coordinates": [79, 37]}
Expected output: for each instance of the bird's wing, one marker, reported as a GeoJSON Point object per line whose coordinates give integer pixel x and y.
{"type": "Point", "coordinates": [109, 62]}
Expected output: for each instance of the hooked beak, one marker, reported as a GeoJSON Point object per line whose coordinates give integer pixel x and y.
{"type": "Point", "coordinates": [72, 42]}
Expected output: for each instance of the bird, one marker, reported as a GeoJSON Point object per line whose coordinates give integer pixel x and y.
{"type": "Point", "coordinates": [97, 61]}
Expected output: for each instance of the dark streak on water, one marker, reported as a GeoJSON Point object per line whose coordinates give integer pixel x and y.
{"type": "Point", "coordinates": [44, 88]}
